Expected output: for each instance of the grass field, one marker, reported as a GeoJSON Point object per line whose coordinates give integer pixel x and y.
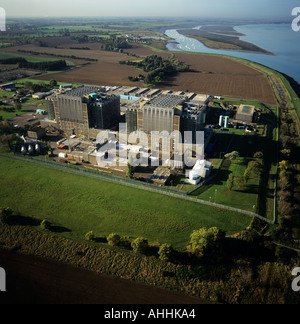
{"type": "Point", "coordinates": [81, 204]}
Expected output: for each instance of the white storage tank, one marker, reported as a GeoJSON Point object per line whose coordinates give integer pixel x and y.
{"type": "Point", "coordinates": [23, 149]}
{"type": "Point", "coordinates": [30, 148]}
{"type": "Point", "coordinates": [226, 123]}
{"type": "Point", "coordinates": [221, 120]}
{"type": "Point", "coordinates": [37, 148]}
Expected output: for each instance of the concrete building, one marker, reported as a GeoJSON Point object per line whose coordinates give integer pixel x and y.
{"type": "Point", "coordinates": [36, 133]}
{"type": "Point", "coordinates": [162, 114]}
{"type": "Point", "coordinates": [166, 112]}
{"type": "Point", "coordinates": [245, 114]}
{"type": "Point", "coordinates": [87, 108]}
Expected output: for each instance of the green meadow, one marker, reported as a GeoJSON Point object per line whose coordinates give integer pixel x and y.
{"type": "Point", "coordinates": [81, 204]}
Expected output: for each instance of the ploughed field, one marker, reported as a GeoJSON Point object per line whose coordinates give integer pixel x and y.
{"type": "Point", "coordinates": [215, 75]}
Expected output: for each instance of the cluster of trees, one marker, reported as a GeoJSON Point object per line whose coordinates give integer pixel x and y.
{"type": "Point", "coordinates": [254, 168]}
{"type": "Point", "coordinates": [289, 229]}
{"type": "Point", "coordinates": [202, 242]}
{"type": "Point", "coordinates": [44, 66]}
{"type": "Point", "coordinates": [158, 68]}
{"type": "Point", "coordinates": [80, 38]}
{"type": "Point", "coordinates": [13, 60]}
{"type": "Point", "coordinates": [114, 44]}
{"type": "Point", "coordinates": [140, 245]}
{"type": "Point", "coordinates": [7, 135]}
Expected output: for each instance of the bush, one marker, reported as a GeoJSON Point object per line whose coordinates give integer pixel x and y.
{"type": "Point", "coordinates": [204, 239]}
{"type": "Point", "coordinates": [258, 155]}
{"type": "Point", "coordinates": [140, 245]}
{"type": "Point", "coordinates": [113, 239]}
{"type": "Point", "coordinates": [166, 252]}
{"type": "Point", "coordinates": [90, 236]}
{"type": "Point", "coordinates": [45, 225]}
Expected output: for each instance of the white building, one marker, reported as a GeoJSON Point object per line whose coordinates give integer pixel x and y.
{"type": "Point", "coordinates": [201, 170]}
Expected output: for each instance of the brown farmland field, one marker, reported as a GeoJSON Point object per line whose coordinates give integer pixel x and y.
{"type": "Point", "coordinates": [215, 75]}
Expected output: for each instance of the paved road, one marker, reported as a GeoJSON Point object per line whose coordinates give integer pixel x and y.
{"type": "Point", "coordinates": [32, 280]}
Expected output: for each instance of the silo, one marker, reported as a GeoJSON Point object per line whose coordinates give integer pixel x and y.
{"type": "Point", "coordinates": [31, 149]}
{"type": "Point", "coordinates": [23, 149]}
{"type": "Point", "coordinates": [221, 121]}
{"type": "Point", "coordinates": [37, 148]}
{"type": "Point", "coordinates": [226, 123]}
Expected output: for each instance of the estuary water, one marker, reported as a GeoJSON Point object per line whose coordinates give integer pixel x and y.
{"type": "Point", "coordinates": [279, 39]}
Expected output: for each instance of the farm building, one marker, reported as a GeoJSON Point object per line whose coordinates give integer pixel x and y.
{"type": "Point", "coordinates": [245, 114]}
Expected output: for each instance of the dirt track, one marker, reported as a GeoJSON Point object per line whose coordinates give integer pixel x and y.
{"type": "Point", "coordinates": [31, 280]}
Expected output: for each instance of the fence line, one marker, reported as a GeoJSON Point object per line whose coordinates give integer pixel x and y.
{"type": "Point", "coordinates": [132, 183]}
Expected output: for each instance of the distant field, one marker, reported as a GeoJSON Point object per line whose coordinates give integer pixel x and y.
{"type": "Point", "coordinates": [82, 204]}
{"type": "Point", "coordinates": [211, 74]}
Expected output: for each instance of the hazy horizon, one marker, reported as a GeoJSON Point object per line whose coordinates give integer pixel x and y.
{"type": "Point", "coordinates": [256, 9]}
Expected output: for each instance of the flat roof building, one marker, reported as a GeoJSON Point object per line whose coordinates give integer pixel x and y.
{"type": "Point", "coordinates": [245, 114]}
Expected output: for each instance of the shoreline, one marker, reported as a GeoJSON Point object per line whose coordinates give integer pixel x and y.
{"type": "Point", "coordinates": [223, 42]}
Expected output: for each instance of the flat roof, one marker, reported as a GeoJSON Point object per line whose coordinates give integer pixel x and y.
{"type": "Point", "coordinates": [166, 101]}
{"type": "Point", "coordinates": [82, 91]}
{"type": "Point", "coordinates": [246, 110]}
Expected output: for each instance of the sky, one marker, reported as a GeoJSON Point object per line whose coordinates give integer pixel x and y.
{"type": "Point", "coordinates": [268, 9]}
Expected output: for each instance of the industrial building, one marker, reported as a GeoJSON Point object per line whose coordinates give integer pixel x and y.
{"type": "Point", "coordinates": [167, 112]}
{"type": "Point", "coordinates": [245, 114]}
{"type": "Point", "coordinates": [82, 110]}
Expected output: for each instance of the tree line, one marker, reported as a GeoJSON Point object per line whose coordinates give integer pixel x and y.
{"type": "Point", "coordinates": [44, 66]}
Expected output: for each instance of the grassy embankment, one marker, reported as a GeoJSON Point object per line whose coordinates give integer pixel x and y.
{"type": "Point", "coordinates": [81, 204]}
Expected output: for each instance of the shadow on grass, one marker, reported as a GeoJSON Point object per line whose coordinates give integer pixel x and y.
{"type": "Point", "coordinates": [18, 220]}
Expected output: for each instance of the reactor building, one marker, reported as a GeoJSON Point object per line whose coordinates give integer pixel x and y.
{"type": "Point", "coordinates": [166, 113]}
{"type": "Point", "coordinates": [83, 110]}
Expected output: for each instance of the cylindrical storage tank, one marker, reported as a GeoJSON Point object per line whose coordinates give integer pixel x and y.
{"type": "Point", "coordinates": [37, 148]}
{"type": "Point", "coordinates": [226, 123]}
{"type": "Point", "coordinates": [221, 120]}
{"type": "Point", "coordinates": [30, 148]}
{"type": "Point", "coordinates": [23, 149]}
